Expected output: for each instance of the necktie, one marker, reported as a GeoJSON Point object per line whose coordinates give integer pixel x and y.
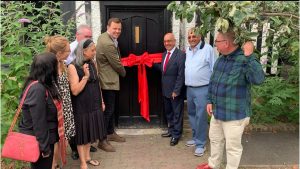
{"type": "Point", "coordinates": [166, 61]}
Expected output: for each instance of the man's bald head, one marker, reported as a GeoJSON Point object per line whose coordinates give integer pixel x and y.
{"type": "Point", "coordinates": [169, 35]}
{"type": "Point", "coordinates": [169, 41]}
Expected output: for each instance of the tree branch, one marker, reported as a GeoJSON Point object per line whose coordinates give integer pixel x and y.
{"type": "Point", "coordinates": [280, 14]}
{"type": "Point", "coordinates": [295, 26]}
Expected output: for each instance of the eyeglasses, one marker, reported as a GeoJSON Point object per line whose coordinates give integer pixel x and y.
{"type": "Point", "coordinates": [216, 41]}
{"type": "Point", "coordinates": [189, 37]}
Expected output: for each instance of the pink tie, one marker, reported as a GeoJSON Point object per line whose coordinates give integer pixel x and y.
{"type": "Point", "coordinates": [166, 62]}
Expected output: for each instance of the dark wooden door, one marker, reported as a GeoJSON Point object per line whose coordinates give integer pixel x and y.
{"type": "Point", "coordinates": [142, 30]}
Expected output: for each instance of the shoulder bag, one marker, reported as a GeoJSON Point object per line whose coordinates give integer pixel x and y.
{"type": "Point", "coordinates": [19, 146]}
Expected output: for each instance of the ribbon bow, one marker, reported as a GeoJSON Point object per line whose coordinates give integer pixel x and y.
{"type": "Point", "coordinates": [141, 61]}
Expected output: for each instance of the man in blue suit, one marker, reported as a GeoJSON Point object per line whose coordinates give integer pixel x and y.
{"type": "Point", "coordinates": [172, 68]}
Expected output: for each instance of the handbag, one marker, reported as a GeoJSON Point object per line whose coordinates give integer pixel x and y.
{"type": "Point", "coordinates": [19, 146]}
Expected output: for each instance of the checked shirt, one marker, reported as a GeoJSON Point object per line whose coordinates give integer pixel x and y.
{"type": "Point", "coordinates": [230, 84]}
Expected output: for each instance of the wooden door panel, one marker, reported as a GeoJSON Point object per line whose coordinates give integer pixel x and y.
{"type": "Point", "coordinates": [151, 31]}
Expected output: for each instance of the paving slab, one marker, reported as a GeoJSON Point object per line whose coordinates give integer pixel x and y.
{"type": "Point", "coordinates": [268, 148]}
{"type": "Point", "coordinates": [145, 152]}
{"type": "Point", "coordinates": [146, 149]}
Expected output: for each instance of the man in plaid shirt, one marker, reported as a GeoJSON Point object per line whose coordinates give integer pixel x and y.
{"type": "Point", "coordinates": [229, 100]}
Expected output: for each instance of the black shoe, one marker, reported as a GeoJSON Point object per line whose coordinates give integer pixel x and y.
{"type": "Point", "coordinates": [166, 134]}
{"type": "Point", "coordinates": [75, 155]}
{"type": "Point", "coordinates": [93, 149]}
{"type": "Point", "coordinates": [174, 141]}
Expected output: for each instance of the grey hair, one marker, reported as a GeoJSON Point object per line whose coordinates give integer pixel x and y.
{"type": "Point", "coordinates": [79, 60]}
{"type": "Point", "coordinates": [81, 27]}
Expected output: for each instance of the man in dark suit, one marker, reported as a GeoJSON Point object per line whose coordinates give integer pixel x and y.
{"type": "Point", "coordinates": [172, 68]}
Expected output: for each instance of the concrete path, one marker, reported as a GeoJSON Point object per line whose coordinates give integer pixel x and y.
{"type": "Point", "coordinates": [151, 151]}
{"type": "Point", "coordinates": [267, 148]}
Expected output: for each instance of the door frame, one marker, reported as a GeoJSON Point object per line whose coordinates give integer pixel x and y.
{"type": "Point", "coordinates": [106, 7]}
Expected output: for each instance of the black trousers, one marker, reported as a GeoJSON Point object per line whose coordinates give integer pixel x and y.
{"type": "Point", "coordinates": [72, 144]}
{"type": "Point", "coordinates": [174, 114]}
{"type": "Point", "coordinates": [44, 163]}
{"type": "Point", "coordinates": [109, 97]}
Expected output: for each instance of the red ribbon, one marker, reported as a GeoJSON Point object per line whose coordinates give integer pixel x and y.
{"type": "Point", "coordinates": [142, 61]}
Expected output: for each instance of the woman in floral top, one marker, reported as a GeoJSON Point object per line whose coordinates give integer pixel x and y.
{"type": "Point", "coordinates": [60, 46]}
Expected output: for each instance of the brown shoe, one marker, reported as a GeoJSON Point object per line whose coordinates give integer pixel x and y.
{"type": "Point", "coordinates": [104, 145]}
{"type": "Point", "coordinates": [115, 137]}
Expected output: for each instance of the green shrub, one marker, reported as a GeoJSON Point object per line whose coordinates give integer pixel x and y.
{"type": "Point", "coordinates": [275, 101]}
{"type": "Point", "coordinates": [23, 28]}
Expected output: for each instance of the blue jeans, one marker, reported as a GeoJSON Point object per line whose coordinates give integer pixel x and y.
{"type": "Point", "coordinates": [196, 105]}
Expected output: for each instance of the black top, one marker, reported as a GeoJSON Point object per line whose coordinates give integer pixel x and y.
{"type": "Point", "coordinates": [89, 99]}
{"type": "Point", "coordinates": [88, 115]}
{"type": "Point", "coordinates": [39, 117]}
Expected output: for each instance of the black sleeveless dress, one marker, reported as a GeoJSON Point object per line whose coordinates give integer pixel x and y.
{"type": "Point", "coordinates": [88, 115]}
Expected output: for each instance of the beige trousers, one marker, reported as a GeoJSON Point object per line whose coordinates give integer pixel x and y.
{"type": "Point", "coordinates": [229, 133]}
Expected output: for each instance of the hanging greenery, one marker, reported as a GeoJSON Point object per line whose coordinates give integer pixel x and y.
{"type": "Point", "coordinates": [277, 100]}
{"type": "Point", "coordinates": [23, 28]}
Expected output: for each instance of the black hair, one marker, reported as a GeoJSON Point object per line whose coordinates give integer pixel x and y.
{"type": "Point", "coordinates": [87, 43]}
{"type": "Point", "coordinates": [44, 69]}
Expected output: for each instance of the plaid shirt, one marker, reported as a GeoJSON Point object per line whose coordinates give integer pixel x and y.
{"type": "Point", "coordinates": [230, 84]}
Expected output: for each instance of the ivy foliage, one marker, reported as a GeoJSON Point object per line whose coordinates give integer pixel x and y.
{"type": "Point", "coordinates": [23, 28]}
{"type": "Point", "coordinates": [279, 23]}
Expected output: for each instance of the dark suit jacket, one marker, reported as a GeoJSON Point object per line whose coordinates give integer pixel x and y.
{"type": "Point", "coordinates": [173, 78]}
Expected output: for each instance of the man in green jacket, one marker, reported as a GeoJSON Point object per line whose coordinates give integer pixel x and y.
{"type": "Point", "coordinates": [109, 70]}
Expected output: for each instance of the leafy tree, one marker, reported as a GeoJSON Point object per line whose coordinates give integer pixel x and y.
{"type": "Point", "coordinates": [23, 28]}
{"type": "Point", "coordinates": [278, 98]}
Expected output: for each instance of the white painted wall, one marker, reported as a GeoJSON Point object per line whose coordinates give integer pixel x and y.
{"type": "Point", "coordinates": [96, 19]}
{"type": "Point", "coordinates": [80, 15]}
{"type": "Point", "coordinates": [176, 28]}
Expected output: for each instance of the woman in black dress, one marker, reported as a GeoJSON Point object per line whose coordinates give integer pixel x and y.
{"type": "Point", "coordinates": [39, 113]}
{"type": "Point", "coordinates": [87, 101]}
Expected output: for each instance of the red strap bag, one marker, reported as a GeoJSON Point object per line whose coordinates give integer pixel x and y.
{"type": "Point", "coordinates": [19, 146]}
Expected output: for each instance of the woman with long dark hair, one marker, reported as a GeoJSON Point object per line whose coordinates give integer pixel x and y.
{"type": "Point", "coordinates": [39, 112]}
{"type": "Point", "coordinates": [87, 101]}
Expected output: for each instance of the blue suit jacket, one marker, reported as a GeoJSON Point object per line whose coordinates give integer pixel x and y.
{"type": "Point", "coordinates": [173, 77]}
